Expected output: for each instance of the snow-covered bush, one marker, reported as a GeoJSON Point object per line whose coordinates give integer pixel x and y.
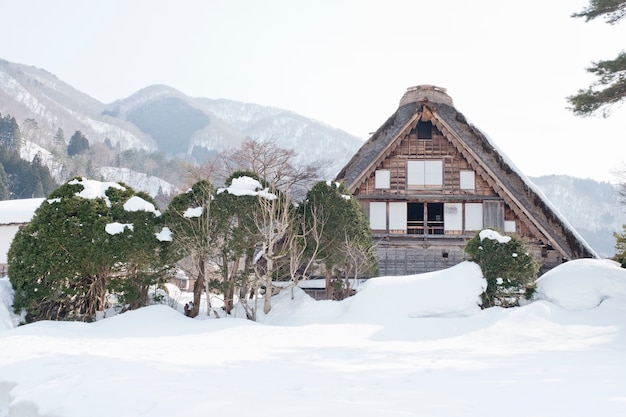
{"type": "Point", "coordinates": [509, 270]}
{"type": "Point", "coordinates": [88, 240]}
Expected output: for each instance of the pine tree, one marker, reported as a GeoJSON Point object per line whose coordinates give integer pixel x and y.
{"type": "Point", "coordinates": [66, 262]}
{"type": "Point", "coordinates": [4, 191]}
{"type": "Point", "coordinates": [506, 265]}
{"type": "Point", "coordinates": [610, 87]}
{"type": "Point", "coordinates": [345, 228]}
{"type": "Point", "coordinates": [78, 144]}
{"type": "Point", "coordinates": [10, 135]}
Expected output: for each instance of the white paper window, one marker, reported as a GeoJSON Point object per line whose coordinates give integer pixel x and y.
{"type": "Point", "coordinates": [397, 217]}
{"type": "Point", "coordinates": [433, 172]}
{"type": "Point", "coordinates": [509, 226]}
{"type": "Point", "coordinates": [424, 173]}
{"type": "Point", "coordinates": [473, 216]}
{"type": "Point", "coordinates": [468, 180]}
{"type": "Point", "coordinates": [453, 216]}
{"type": "Point", "coordinates": [378, 215]}
{"type": "Point", "coordinates": [382, 179]}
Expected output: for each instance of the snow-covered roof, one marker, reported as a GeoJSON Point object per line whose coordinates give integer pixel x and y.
{"type": "Point", "coordinates": [18, 211]}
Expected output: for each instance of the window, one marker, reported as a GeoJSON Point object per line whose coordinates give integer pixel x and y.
{"type": "Point", "coordinates": [473, 216]}
{"type": "Point", "coordinates": [397, 217]}
{"type": "Point", "coordinates": [509, 226]}
{"type": "Point", "coordinates": [435, 218]}
{"type": "Point", "coordinates": [424, 130]}
{"type": "Point", "coordinates": [468, 180]}
{"type": "Point", "coordinates": [453, 216]}
{"type": "Point", "coordinates": [425, 173]}
{"type": "Point", "coordinates": [415, 218]}
{"type": "Point", "coordinates": [382, 179]}
{"type": "Point", "coordinates": [378, 215]}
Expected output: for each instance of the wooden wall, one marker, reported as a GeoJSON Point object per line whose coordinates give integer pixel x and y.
{"type": "Point", "coordinates": [411, 148]}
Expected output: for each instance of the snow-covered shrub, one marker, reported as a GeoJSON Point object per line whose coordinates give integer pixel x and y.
{"type": "Point", "coordinates": [509, 270]}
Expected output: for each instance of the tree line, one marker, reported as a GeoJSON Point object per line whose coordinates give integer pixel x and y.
{"type": "Point", "coordinates": [20, 178]}
{"type": "Point", "coordinates": [267, 221]}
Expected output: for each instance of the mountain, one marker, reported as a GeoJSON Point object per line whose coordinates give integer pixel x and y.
{"type": "Point", "coordinates": [42, 104]}
{"type": "Point", "coordinates": [158, 119]}
{"type": "Point", "coordinates": [199, 127]}
{"type": "Point", "coordinates": [590, 206]}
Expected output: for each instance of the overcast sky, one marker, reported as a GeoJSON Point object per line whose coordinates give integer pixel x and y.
{"type": "Point", "coordinates": [508, 66]}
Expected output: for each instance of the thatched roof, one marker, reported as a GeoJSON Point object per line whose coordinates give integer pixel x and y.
{"type": "Point", "coordinates": [432, 103]}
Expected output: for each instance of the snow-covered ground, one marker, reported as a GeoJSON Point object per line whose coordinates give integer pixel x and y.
{"type": "Point", "coordinates": [403, 346]}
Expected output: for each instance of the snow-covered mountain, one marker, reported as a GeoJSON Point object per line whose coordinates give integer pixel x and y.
{"type": "Point", "coordinates": [592, 207]}
{"type": "Point", "coordinates": [32, 94]}
{"type": "Point", "coordinates": [160, 118]}
{"type": "Point", "coordinates": [199, 127]}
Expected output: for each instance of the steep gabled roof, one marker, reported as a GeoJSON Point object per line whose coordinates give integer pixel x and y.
{"type": "Point", "coordinates": [432, 103]}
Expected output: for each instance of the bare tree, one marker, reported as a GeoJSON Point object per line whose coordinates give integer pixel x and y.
{"type": "Point", "coordinates": [305, 243]}
{"type": "Point", "coordinates": [359, 259]}
{"type": "Point", "coordinates": [194, 229]}
{"type": "Point", "coordinates": [274, 221]}
{"type": "Point", "coordinates": [276, 165]}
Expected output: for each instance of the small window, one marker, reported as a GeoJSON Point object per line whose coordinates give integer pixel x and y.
{"type": "Point", "coordinates": [382, 179]}
{"type": "Point", "coordinates": [468, 180]}
{"type": "Point", "coordinates": [424, 130]}
{"type": "Point", "coordinates": [509, 226]}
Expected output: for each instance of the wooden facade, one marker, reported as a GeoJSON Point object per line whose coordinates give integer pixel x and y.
{"type": "Point", "coordinates": [428, 181]}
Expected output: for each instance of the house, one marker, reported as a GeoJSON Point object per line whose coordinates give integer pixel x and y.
{"type": "Point", "coordinates": [13, 215]}
{"type": "Point", "coordinates": [428, 181]}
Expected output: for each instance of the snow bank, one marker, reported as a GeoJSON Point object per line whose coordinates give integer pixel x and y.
{"type": "Point", "coordinates": [452, 292]}
{"type": "Point", "coordinates": [582, 284]}
{"type": "Point", "coordinates": [6, 301]}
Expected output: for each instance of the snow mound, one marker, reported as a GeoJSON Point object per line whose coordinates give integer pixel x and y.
{"type": "Point", "coordinates": [582, 284]}
{"type": "Point", "coordinates": [451, 292]}
{"type": "Point", "coordinates": [6, 301]}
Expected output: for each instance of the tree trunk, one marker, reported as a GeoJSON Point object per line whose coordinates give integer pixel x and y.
{"type": "Point", "coordinates": [267, 279]}
{"type": "Point", "coordinates": [197, 290]}
{"type": "Point", "coordinates": [329, 292]}
{"type": "Point", "coordinates": [229, 290]}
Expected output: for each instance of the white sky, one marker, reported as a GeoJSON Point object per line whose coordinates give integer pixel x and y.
{"type": "Point", "coordinates": [508, 66]}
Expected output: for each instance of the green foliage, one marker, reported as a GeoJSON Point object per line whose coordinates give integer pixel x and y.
{"type": "Point", "coordinates": [610, 87]}
{"type": "Point", "coordinates": [189, 216]}
{"type": "Point", "coordinates": [64, 264]}
{"type": "Point", "coordinates": [620, 247]}
{"type": "Point", "coordinates": [343, 223]}
{"type": "Point", "coordinates": [23, 179]}
{"type": "Point", "coordinates": [78, 144]}
{"type": "Point", "coordinates": [509, 270]}
{"type": "Point", "coordinates": [10, 135]}
{"type": "Point", "coordinates": [612, 10]}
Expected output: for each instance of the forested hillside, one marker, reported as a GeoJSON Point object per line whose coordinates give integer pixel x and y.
{"type": "Point", "coordinates": [592, 207]}
{"type": "Point", "coordinates": [20, 178]}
